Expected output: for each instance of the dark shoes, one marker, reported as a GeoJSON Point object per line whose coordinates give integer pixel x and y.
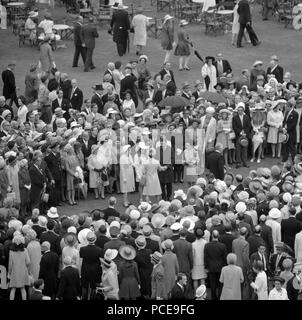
{"type": "Point", "coordinates": [245, 165]}
{"type": "Point", "coordinates": [257, 43]}
{"type": "Point", "coordinates": [239, 46]}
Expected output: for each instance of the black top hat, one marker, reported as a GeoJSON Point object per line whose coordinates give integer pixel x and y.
{"type": "Point", "coordinates": [98, 87]}
{"type": "Point", "coordinates": [209, 57]}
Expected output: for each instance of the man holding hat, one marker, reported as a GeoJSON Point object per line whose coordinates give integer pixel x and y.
{"type": "Point", "coordinates": [97, 97]}
{"type": "Point", "coordinates": [9, 84]}
{"type": "Point", "coordinates": [242, 127]}
{"type": "Point", "coordinates": [275, 69]}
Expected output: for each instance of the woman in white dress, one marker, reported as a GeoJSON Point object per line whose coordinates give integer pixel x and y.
{"type": "Point", "coordinates": [139, 158]}
{"type": "Point", "coordinates": [117, 76]}
{"type": "Point", "coordinates": [191, 161]}
{"type": "Point", "coordinates": [209, 73]}
{"type": "Point", "coordinates": [128, 103]}
{"type": "Point", "coordinates": [207, 136]}
{"type": "Point", "coordinates": [198, 272]}
{"type": "Point", "coordinates": [22, 110]}
{"type": "Point", "coordinates": [274, 120]}
{"type": "Point", "coordinates": [278, 293]}
{"type": "Point", "coordinates": [140, 23]}
{"type": "Point", "coordinates": [127, 183]}
{"type": "Point", "coordinates": [152, 186]}
{"type": "Point", "coordinates": [260, 284]}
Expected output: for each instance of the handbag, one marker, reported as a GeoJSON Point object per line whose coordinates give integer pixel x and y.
{"type": "Point", "coordinates": [143, 180]}
{"type": "Point", "coordinates": [45, 197]}
{"type": "Point", "coordinates": [232, 135]}
{"type": "Point", "coordinates": [131, 30]}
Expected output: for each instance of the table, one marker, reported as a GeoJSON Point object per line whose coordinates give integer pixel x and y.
{"type": "Point", "coordinates": [225, 12]}
{"type": "Point", "coordinates": [15, 4]}
{"type": "Point", "coordinates": [63, 30]}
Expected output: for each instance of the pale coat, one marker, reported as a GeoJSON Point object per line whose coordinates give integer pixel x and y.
{"type": "Point", "coordinates": [276, 229]}
{"type": "Point", "coordinates": [34, 252]}
{"type": "Point", "coordinates": [140, 23]}
{"type": "Point", "coordinates": [210, 71]}
{"type": "Point", "coordinates": [198, 271]}
{"type": "Point", "coordinates": [261, 286]}
{"type": "Point", "coordinates": [171, 269]}
{"type": "Point", "coordinates": [46, 57]}
{"type": "Point", "coordinates": [127, 182]}
{"type": "Point", "coordinates": [298, 247]}
{"type": "Point", "coordinates": [231, 277]}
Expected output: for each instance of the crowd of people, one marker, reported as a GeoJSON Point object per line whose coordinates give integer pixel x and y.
{"type": "Point", "coordinates": [238, 236]}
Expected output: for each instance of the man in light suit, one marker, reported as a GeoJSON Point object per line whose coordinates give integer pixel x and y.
{"type": "Point", "coordinates": [89, 33]}
{"type": "Point", "coordinates": [241, 248]}
{"type": "Point", "coordinates": [79, 44]}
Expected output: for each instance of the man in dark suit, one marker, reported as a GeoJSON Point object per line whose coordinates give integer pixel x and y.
{"type": "Point", "coordinates": [49, 267]}
{"type": "Point", "coordinates": [128, 83]}
{"type": "Point", "coordinates": [222, 66]}
{"type": "Point", "coordinates": [275, 69]}
{"type": "Point", "coordinates": [289, 228]}
{"type": "Point", "coordinates": [245, 23]}
{"type": "Point", "coordinates": [242, 127]}
{"type": "Point", "coordinates": [227, 238]}
{"type": "Point", "coordinates": [215, 254]}
{"type": "Point", "coordinates": [109, 70]}
{"type": "Point", "coordinates": [111, 211]}
{"type": "Point", "coordinates": [152, 245]}
{"type": "Point", "coordinates": [178, 291]}
{"type": "Point", "coordinates": [53, 161]}
{"type": "Point", "coordinates": [167, 70]}
{"type": "Point", "coordinates": [184, 252]}
{"type": "Point", "coordinates": [120, 25]}
{"type": "Point", "coordinates": [9, 84]}
{"type": "Point", "coordinates": [61, 102]}
{"type": "Point", "coordinates": [37, 294]}
{"type": "Point", "coordinates": [289, 126]}
{"type": "Point", "coordinates": [89, 33]}
{"type": "Point", "coordinates": [215, 162]}
{"type": "Point", "coordinates": [76, 96]}
{"type": "Point", "coordinates": [260, 255]}
{"type": "Point", "coordinates": [161, 93]}
{"type": "Point", "coordinates": [69, 285]}
{"type": "Point", "coordinates": [255, 240]}
{"type": "Point", "coordinates": [51, 237]}
{"type": "Point", "coordinates": [170, 85]}
{"type": "Point", "coordinates": [97, 97]}
{"type": "Point", "coordinates": [266, 235]}
{"type": "Point", "coordinates": [101, 238]}
{"type": "Point", "coordinates": [78, 40]}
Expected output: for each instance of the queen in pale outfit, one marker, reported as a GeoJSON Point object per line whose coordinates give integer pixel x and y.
{"type": "Point", "coordinates": [274, 120]}
{"type": "Point", "coordinates": [127, 182]}
{"type": "Point", "coordinates": [224, 129]}
{"type": "Point", "coordinates": [209, 73]}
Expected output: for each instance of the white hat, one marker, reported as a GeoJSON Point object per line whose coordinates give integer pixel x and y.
{"type": "Point", "coordinates": [256, 63]}
{"type": "Point", "coordinates": [144, 206]}
{"type": "Point", "coordinates": [134, 214]}
{"type": "Point", "coordinates": [210, 110]}
{"type": "Point", "coordinates": [167, 17]}
{"type": "Point", "coordinates": [142, 145]}
{"type": "Point", "coordinates": [287, 197]}
{"type": "Point", "coordinates": [176, 226]}
{"type": "Point", "coordinates": [180, 193]}
{"type": "Point", "coordinates": [201, 181]}
{"type": "Point", "coordinates": [183, 22]}
{"type": "Point", "coordinates": [125, 148]}
{"type": "Point", "coordinates": [240, 207]}
{"type": "Point", "coordinates": [275, 213]}
{"type": "Point", "coordinates": [74, 124]}
{"type": "Point", "coordinates": [16, 224]}
{"type": "Point", "coordinates": [240, 104]}
{"type": "Point", "coordinates": [82, 236]}
{"type": "Point", "coordinates": [72, 229]}
{"type": "Point", "coordinates": [115, 224]}
{"type": "Point", "coordinates": [52, 213]}
{"type": "Point", "coordinates": [143, 221]}
{"type": "Point", "coordinates": [143, 56]}
{"type": "Point", "coordinates": [192, 223]}
{"type": "Point", "coordinates": [243, 196]}
{"type": "Point", "coordinates": [200, 291]}
{"type": "Point", "coordinates": [110, 254]}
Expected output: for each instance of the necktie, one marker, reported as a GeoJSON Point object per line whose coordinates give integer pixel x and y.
{"type": "Point", "coordinates": [263, 261]}
{"type": "Point", "coordinates": [220, 67]}
{"type": "Point", "coordinates": [277, 260]}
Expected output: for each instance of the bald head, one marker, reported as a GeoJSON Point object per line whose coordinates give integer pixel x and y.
{"type": "Point", "coordinates": [111, 66]}
{"type": "Point", "coordinates": [215, 234]}
{"type": "Point", "coordinates": [258, 229]}
{"type": "Point", "coordinates": [243, 231]}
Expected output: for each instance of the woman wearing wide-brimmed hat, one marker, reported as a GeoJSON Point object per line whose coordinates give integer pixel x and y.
{"type": "Point", "coordinates": [129, 280]}
{"type": "Point", "coordinates": [159, 290]}
{"type": "Point", "coordinates": [144, 265]}
{"type": "Point", "coordinates": [167, 36]}
{"type": "Point", "coordinates": [275, 120]}
{"type": "Point", "coordinates": [140, 23]}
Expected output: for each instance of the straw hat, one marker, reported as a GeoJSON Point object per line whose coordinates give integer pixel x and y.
{"type": "Point", "coordinates": [82, 236]}
{"type": "Point", "coordinates": [167, 244]}
{"type": "Point", "coordinates": [275, 213]}
{"type": "Point", "coordinates": [156, 257]}
{"type": "Point", "coordinates": [257, 63]}
{"type": "Point", "coordinates": [140, 242]}
{"type": "Point", "coordinates": [158, 220]}
{"type": "Point", "coordinates": [255, 185]}
{"type": "Point", "coordinates": [52, 213]}
{"type": "Point", "coordinates": [167, 17]}
{"type": "Point", "coordinates": [127, 252]}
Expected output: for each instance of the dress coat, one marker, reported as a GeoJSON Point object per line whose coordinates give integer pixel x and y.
{"type": "Point", "coordinates": [277, 71]}
{"type": "Point", "coordinates": [145, 269]}
{"type": "Point", "coordinates": [231, 277]}
{"type": "Point", "coordinates": [53, 239]}
{"type": "Point", "coordinates": [76, 99]}
{"type": "Point", "coordinates": [171, 269]}
{"type": "Point", "coordinates": [120, 24]}
{"type": "Point", "coordinates": [215, 163]}
{"type": "Point", "coordinates": [184, 252]}
{"type": "Point", "coordinates": [69, 285]}
{"type": "Point", "coordinates": [274, 120]}
{"type": "Point", "coordinates": [215, 256]}
{"type": "Point", "coordinates": [182, 48]}
{"type": "Point", "coordinates": [49, 267]}
{"type": "Point", "coordinates": [46, 57]}
{"type": "Point", "coordinates": [37, 179]}
{"type": "Point", "coordinates": [31, 86]}
{"type": "Point", "coordinates": [241, 248]}
{"type": "Point", "coordinates": [18, 263]}
{"type": "Point", "coordinates": [166, 158]}
{"type": "Point", "coordinates": [289, 228]}
{"type": "Point", "coordinates": [127, 182]}
{"type": "Point", "coordinates": [34, 252]}
{"type": "Point", "coordinates": [158, 282]}
{"type": "Point", "coordinates": [129, 280]}
{"type": "Point", "coordinates": [298, 247]}
{"type": "Point", "coordinates": [152, 187]}
{"type": "Point", "coordinates": [140, 23]}
{"type": "Point", "coordinates": [89, 33]}
{"type": "Point", "coordinates": [91, 271]}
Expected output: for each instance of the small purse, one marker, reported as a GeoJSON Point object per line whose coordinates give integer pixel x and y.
{"type": "Point", "coordinates": [45, 197]}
